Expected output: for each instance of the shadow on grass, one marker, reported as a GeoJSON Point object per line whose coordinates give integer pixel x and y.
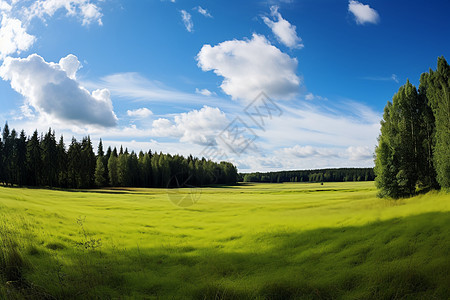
{"type": "Point", "coordinates": [398, 258]}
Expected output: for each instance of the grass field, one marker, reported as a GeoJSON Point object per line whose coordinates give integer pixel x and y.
{"type": "Point", "coordinates": [253, 241]}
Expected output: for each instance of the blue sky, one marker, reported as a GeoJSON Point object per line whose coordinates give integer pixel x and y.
{"type": "Point", "coordinates": [172, 76]}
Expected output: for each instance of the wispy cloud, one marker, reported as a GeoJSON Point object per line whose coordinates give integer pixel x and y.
{"type": "Point", "coordinates": [187, 20]}
{"type": "Point", "coordinates": [393, 77]}
{"type": "Point", "coordinates": [203, 11]}
{"type": "Point", "coordinates": [132, 86]}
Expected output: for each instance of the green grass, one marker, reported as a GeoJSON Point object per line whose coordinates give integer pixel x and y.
{"type": "Point", "coordinates": [254, 241]}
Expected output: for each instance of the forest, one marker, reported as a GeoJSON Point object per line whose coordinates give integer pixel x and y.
{"type": "Point", "coordinates": [413, 152]}
{"type": "Point", "coordinates": [40, 160]}
{"type": "Point", "coordinates": [320, 175]}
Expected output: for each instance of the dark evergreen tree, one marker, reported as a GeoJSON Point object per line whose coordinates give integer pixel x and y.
{"type": "Point", "coordinates": [61, 158]}
{"type": "Point", "coordinates": [21, 159]}
{"type": "Point", "coordinates": [49, 162]}
{"type": "Point", "coordinates": [74, 164]}
{"type": "Point", "coordinates": [34, 160]}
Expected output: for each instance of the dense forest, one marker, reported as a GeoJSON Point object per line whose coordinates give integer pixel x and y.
{"type": "Point", "coordinates": [413, 153]}
{"type": "Point", "coordinates": [322, 175]}
{"type": "Point", "coordinates": [40, 160]}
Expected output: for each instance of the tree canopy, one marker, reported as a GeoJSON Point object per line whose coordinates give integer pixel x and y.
{"type": "Point", "coordinates": [413, 151]}
{"type": "Point", "coordinates": [40, 160]}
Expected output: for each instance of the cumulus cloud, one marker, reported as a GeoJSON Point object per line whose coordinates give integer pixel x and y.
{"type": "Point", "coordinates": [13, 37]}
{"type": "Point", "coordinates": [250, 67]}
{"type": "Point", "coordinates": [51, 89]}
{"type": "Point", "coordinates": [187, 20]}
{"type": "Point", "coordinates": [84, 9]}
{"type": "Point", "coordinates": [363, 13]}
{"type": "Point", "coordinates": [196, 126]}
{"type": "Point", "coordinates": [70, 65]}
{"type": "Point", "coordinates": [285, 32]}
{"type": "Point", "coordinates": [203, 11]}
{"type": "Point", "coordinates": [140, 113]}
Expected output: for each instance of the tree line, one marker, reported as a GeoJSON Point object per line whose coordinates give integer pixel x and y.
{"type": "Point", "coordinates": [321, 175]}
{"type": "Point", "coordinates": [413, 152]}
{"type": "Point", "coordinates": [40, 160]}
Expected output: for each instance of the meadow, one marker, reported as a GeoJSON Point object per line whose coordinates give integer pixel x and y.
{"type": "Point", "coordinates": [251, 241]}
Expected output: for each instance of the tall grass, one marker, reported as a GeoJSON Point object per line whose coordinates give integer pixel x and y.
{"type": "Point", "coordinates": [258, 241]}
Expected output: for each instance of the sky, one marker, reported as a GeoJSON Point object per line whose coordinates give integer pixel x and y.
{"type": "Point", "coordinates": [268, 85]}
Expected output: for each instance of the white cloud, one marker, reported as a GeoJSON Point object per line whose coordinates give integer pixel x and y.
{"type": "Point", "coordinates": [308, 151]}
{"type": "Point", "coordinates": [284, 31]}
{"type": "Point", "coordinates": [204, 92]}
{"type": "Point", "coordinates": [363, 12]}
{"type": "Point", "coordinates": [140, 113]}
{"type": "Point", "coordinates": [136, 87]}
{"type": "Point", "coordinates": [5, 6]}
{"type": "Point", "coordinates": [203, 11]}
{"type": "Point", "coordinates": [187, 20]}
{"type": "Point", "coordinates": [360, 153]}
{"type": "Point", "coordinates": [196, 126]}
{"type": "Point", "coordinates": [70, 65]}
{"type": "Point", "coordinates": [84, 9]}
{"type": "Point", "coordinates": [51, 89]}
{"type": "Point", "coordinates": [13, 37]}
{"type": "Point", "coordinates": [250, 67]}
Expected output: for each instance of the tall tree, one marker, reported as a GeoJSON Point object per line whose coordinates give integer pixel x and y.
{"type": "Point", "coordinates": [34, 159]}
{"type": "Point", "coordinates": [74, 164]}
{"type": "Point", "coordinates": [438, 93]}
{"type": "Point", "coordinates": [100, 179]}
{"type": "Point", "coordinates": [61, 158]}
{"type": "Point", "coordinates": [7, 154]}
{"type": "Point", "coordinates": [49, 162]}
{"type": "Point", "coordinates": [112, 168]}
{"type": "Point", "coordinates": [21, 159]}
{"type": "Point", "coordinates": [399, 148]}
{"type": "Point", "coordinates": [100, 149]}
{"type": "Point", "coordinates": [88, 163]}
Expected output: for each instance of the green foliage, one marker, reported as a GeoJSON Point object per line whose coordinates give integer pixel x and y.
{"type": "Point", "coordinates": [100, 179]}
{"type": "Point", "coordinates": [413, 152]}
{"type": "Point", "coordinates": [437, 86]}
{"type": "Point", "coordinates": [113, 171]}
{"type": "Point", "coordinates": [41, 161]}
{"type": "Point", "coordinates": [320, 175]}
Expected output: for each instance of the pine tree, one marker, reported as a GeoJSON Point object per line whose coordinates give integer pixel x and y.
{"type": "Point", "coordinates": [100, 149]}
{"type": "Point", "coordinates": [34, 160]}
{"type": "Point", "coordinates": [61, 158]}
{"type": "Point", "coordinates": [88, 163]}
{"type": "Point", "coordinates": [74, 165]}
{"type": "Point", "coordinates": [21, 158]}
{"type": "Point", "coordinates": [49, 163]}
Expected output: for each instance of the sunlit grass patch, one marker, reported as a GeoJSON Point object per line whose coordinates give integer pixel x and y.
{"type": "Point", "coordinates": [254, 241]}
